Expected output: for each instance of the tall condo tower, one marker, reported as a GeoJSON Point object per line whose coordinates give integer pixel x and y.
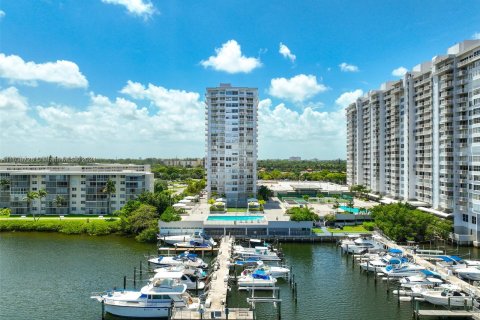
{"type": "Point", "coordinates": [231, 159]}
{"type": "Point", "coordinates": [417, 139]}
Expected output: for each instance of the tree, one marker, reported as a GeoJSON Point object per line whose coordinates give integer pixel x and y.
{"type": "Point", "coordinates": [302, 214]}
{"type": "Point", "coordinates": [5, 184]}
{"type": "Point", "coordinates": [59, 201]}
{"type": "Point", "coordinates": [330, 219]}
{"type": "Point", "coordinates": [306, 197]}
{"type": "Point", "coordinates": [109, 189]}
{"type": "Point", "coordinates": [211, 201]}
{"type": "Point", "coordinates": [170, 215]}
{"type": "Point", "coordinates": [264, 193]}
{"type": "Point", "coordinates": [31, 196]}
{"type": "Point", "coordinates": [160, 185]}
{"type": "Point", "coordinates": [42, 193]}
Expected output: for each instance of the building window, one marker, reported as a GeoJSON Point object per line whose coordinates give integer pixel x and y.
{"type": "Point", "coordinates": [74, 195]}
{"type": "Point", "coordinates": [474, 220]}
{"type": "Point", "coordinates": [74, 189]}
{"type": "Point", "coordinates": [465, 217]}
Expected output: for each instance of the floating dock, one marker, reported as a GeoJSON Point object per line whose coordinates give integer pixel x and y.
{"type": "Point", "coordinates": [216, 299]}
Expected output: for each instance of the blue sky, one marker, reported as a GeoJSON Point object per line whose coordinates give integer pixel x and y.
{"type": "Point", "coordinates": [126, 78]}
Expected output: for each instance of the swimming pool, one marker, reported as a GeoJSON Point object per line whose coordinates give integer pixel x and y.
{"type": "Point", "coordinates": [234, 218]}
{"type": "Point", "coordinates": [351, 210]}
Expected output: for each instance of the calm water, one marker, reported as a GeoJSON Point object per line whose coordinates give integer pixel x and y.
{"type": "Point", "coordinates": [51, 276]}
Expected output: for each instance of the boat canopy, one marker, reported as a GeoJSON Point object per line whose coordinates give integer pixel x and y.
{"type": "Point", "coordinates": [429, 273]}
{"type": "Point", "coordinates": [450, 258]}
{"type": "Point", "coordinates": [395, 250]}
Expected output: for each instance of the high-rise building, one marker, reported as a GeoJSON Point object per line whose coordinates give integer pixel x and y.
{"type": "Point", "coordinates": [231, 152]}
{"type": "Point", "coordinates": [418, 139]}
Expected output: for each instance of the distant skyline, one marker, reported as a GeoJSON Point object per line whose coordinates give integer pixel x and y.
{"type": "Point", "coordinates": [126, 78]}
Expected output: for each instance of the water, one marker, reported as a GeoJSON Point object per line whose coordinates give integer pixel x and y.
{"type": "Point", "coordinates": [349, 209]}
{"type": "Point", "coordinates": [234, 218]}
{"type": "Point", "coordinates": [51, 276]}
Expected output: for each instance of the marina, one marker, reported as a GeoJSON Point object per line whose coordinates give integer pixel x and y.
{"type": "Point", "coordinates": [321, 272]}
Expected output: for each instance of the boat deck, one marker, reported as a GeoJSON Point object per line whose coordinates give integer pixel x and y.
{"type": "Point", "coordinates": [444, 313]}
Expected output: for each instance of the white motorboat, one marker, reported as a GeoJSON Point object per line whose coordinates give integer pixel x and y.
{"type": "Point", "coordinates": [274, 271]}
{"type": "Point", "coordinates": [256, 280]}
{"type": "Point", "coordinates": [198, 237]}
{"type": "Point", "coordinates": [361, 245]}
{"type": "Point", "coordinates": [470, 273]}
{"type": "Point", "coordinates": [447, 297]}
{"type": "Point", "coordinates": [374, 265]}
{"type": "Point", "coordinates": [198, 273]}
{"type": "Point", "coordinates": [190, 281]}
{"type": "Point", "coordinates": [192, 244]}
{"type": "Point", "coordinates": [263, 253]}
{"type": "Point", "coordinates": [451, 262]}
{"type": "Point", "coordinates": [402, 270]}
{"type": "Point", "coordinates": [187, 259]}
{"type": "Point", "coordinates": [410, 282]}
{"type": "Point", "coordinates": [152, 301]}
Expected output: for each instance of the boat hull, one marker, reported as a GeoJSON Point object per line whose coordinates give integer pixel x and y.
{"type": "Point", "coordinates": [445, 301]}
{"type": "Point", "coordinates": [161, 311]}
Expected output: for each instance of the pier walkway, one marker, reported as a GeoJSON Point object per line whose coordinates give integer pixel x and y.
{"type": "Point", "coordinates": [216, 300]}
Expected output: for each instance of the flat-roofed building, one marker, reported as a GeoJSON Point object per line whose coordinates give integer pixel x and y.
{"type": "Point", "coordinates": [231, 155]}
{"type": "Point", "coordinates": [418, 139]}
{"type": "Point", "coordinates": [81, 188]}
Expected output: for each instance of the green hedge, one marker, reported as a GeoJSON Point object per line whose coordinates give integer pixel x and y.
{"type": "Point", "coordinates": [92, 227]}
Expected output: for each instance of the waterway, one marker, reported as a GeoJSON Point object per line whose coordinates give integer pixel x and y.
{"type": "Point", "coordinates": [51, 276]}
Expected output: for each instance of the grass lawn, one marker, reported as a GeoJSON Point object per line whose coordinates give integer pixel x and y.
{"type": "Point", "coordinates": [317, 230]}
{"type": "Point", "coordinates": [236, 209]}
{"type": "Point", "coordinates": [349, 229]}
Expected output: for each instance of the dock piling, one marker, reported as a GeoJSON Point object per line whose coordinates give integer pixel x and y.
{"type": "Point", "coordinates": [135, 277]}
{"type": "Point", "coordinates": [124, 282]}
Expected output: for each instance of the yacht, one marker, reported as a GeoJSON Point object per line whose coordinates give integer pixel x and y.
{"type": "Point", "coordinates": [192, 244]}
{"type": "Point", "coordinates": [361, 245]}
{"type": "Point", "coordinates": [256, 280]}
{"type": "Point", "coordinates": [410, 282]}
{"type": "Point", "coordinates": [451, 262]}
{"type": "Point", "coordinates": [402, 270]}
{"type": "Point", "coordinates": [381, 262]}
{"type": "Point", "coordinates": [273, 271]}
{"type": "Point", "coordinates": [470, 273]}
{"type": "Point", "coordinates": [447, 297]}
{"type": "Point", "coordinates": [246, 261]}
{"type": "Point", "coordinates": [152, 301]}
{"type": "Point", "coordinates": [187, 259]}
{"type": "Point", "coordinates": [190, 281]}
{"type": "Point", "coordinates": [198, 273]}
{"type": "Point", "coordinates": [263, 253]}
{"type": "Point", "coordinates": [198, 237]}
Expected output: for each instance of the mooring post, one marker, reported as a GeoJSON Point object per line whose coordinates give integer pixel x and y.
{"type": "Point", "coordinates": [388, 284]}
{"type": "Point", "coordinates": [346, 251]}
{"type": "Point", "coordinates": [398, 294]}
{"type": "Point", "coordinates": [196, 287]}
{"type": "Point", "coordinates": [353, 260]}
{"type": "Point", "coordinates": [103, 310]}
{"type": "Point", "coordinates": [124, 282]}
{"type": "Point", "coordinates": [296, 292]}
{"type": "Point", "coordinates": [134, 277]}
{"type": "Point", "coordinates": [140, 269]}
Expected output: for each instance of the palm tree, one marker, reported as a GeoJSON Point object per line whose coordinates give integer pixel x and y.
{"type": "Point", "coordinates": [59, 201]}
{"type": "Point", "coordinates": [31, 195]}
{"type": "Point", "coordinates": [5, 183]}
{"type": "Point", "coordinates": [42, 193]}
{"type": "Point", "coordinates": [109, 189]}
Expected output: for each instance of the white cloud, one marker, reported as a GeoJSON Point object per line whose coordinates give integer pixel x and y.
{"type": "Point", "coordinates": [345, 67]}
{"type": "Point", "coordinates": [348, 97]}
{"type": "Point", "coordinates": [297, 89]}
{"type": "Point", "coordinates": [286, 53]}
{"type": "Point", "coordinates": [229, 58]}
{"type": "Point", "coordinates": [61, 72]}
{"type": "Point", "coordinates": [476, 36]}
{"type": "Point", "coordinates": [2, 14]}
{"type": "Point", "coordinates": [399, 72]}
{"type": "Point", "coordinates": [14, 119]}
{"type": "Point", "coordinates": [308, 133]}
{"type": "Point", "coordinates": [141, 8]}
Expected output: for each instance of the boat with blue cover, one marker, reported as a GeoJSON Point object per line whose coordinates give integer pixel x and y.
{"type": "Point", "coordinates": [257, 279]}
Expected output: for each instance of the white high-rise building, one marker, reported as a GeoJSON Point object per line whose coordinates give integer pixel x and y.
{"type": "Point", "coordinates": [231, 155]}
{"type": "Point", "coordinates": [418, 139]}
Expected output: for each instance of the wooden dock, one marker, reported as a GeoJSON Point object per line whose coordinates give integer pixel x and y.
{"type": "Point", "coordinates": [444, 313]}
{"type": "Point", "coordinates": [216, 299]}
{"type": "Point", "coordinates": [177, 250]}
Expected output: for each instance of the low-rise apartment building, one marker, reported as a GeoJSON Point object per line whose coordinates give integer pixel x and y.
{"type": "Point", "coordinates": [81, 188]}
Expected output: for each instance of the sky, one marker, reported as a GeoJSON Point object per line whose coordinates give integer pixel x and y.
{"type": "Point", "coordinates": [127, 78]}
